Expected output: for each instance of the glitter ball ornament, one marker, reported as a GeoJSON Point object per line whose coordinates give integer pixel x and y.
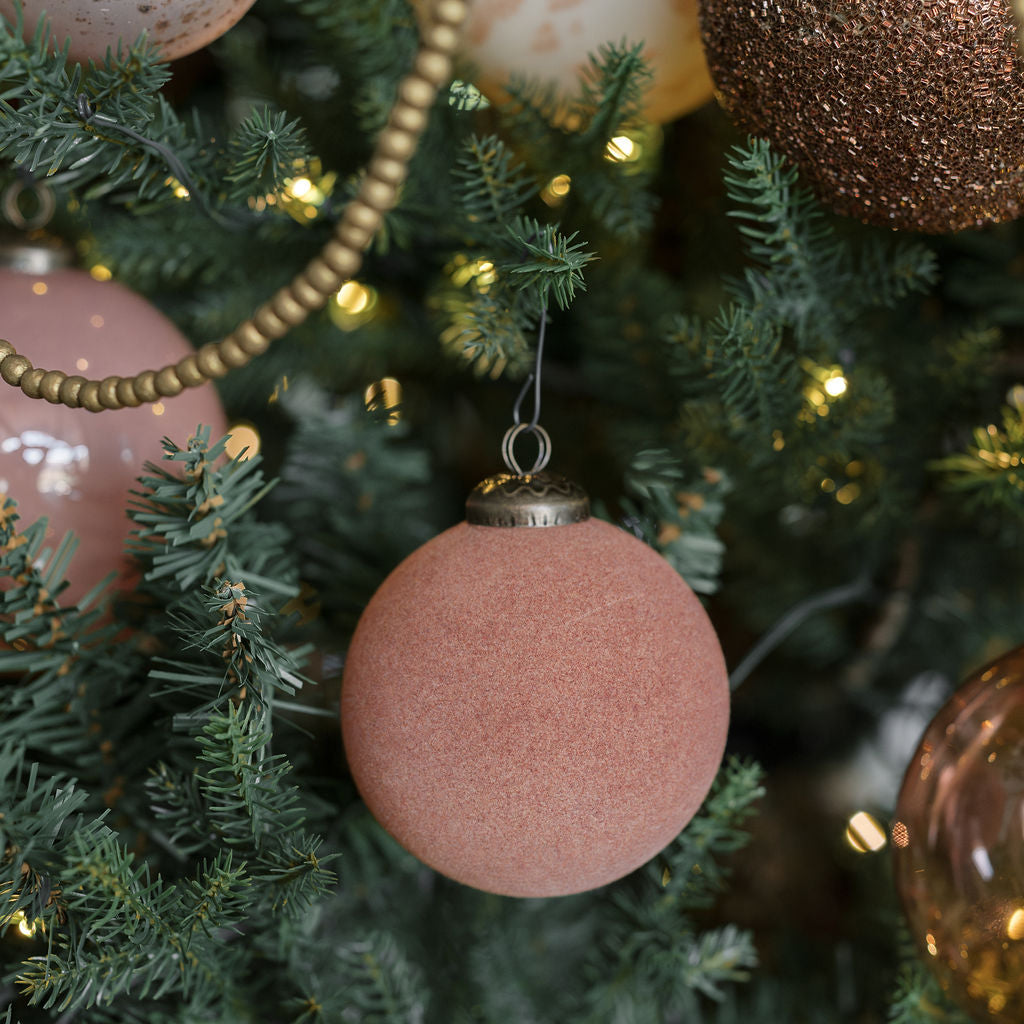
{"type": "Point", "coordinates": [958, 842]}
{"type": "Point", "coordinates": [177, 27]}
{"type": "Point", "coordinates": [551, 42]}
{"type": "Point", "coordinates": [70, 465]}
{"type": "Point", "coordinates": [903, 114]}
{"type": "Point", "coordinates": [534, 710]}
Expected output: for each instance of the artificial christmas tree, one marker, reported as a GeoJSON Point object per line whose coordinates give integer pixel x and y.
{"type": "Point", "coordinates": [817, 423]}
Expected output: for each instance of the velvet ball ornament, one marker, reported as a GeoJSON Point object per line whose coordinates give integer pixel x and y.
{"type": "Point", "coordinates": [958, 843]}
{"type": "Point", "coordinates": [902, 114]}
{"type": "Point", "coordinates": [177, 27]}
{"type": "Point", "coordinates": [73, 466]}
{"type": "Point", "coordinates": [534, 710]}
{"type": "Point", "coordinates": [551, 41]}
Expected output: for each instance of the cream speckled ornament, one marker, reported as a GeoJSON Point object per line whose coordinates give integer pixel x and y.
{"type": "Point", "coordinates": [177, 27]}
{"type": "Point", "coordinates": [550, 40]}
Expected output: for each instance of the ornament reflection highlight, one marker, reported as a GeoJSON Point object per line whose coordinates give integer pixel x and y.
{"type": "Point", "coordinates": [61, 463]}
{"type": "Point", "coordinates": [959, 843]}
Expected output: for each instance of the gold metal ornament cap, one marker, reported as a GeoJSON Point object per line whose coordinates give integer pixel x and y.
{"type": "Point", "coordinates": [530, 499]}
{"type": "Point", "coordinates": [34, 253]}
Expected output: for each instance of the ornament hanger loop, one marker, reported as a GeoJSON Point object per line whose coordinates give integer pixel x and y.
{"type": "Point", "coordinates": [45, 205]}
{"type": "Point", "coordinates": [535, 377]}
{"type": "Point", "coordinates": [338, 261]}
{"type": "Point", "coordinates": [508, 444]}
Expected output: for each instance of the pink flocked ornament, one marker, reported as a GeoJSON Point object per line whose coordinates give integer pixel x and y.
{"type": "Point", "coordinates": [72, 466]}
{"type": "Point", "coordinates": [534, 702]}
{"type": "Point", "coordinates": [177, 27]}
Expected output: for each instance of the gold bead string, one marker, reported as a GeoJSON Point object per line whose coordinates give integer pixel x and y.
{"type": "Point", "coordinates": [338, 261]}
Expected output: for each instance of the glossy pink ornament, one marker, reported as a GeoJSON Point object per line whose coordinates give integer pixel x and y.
{"type": "Point", "coordinates": [73, 466]}
{"type": "Point", "coordinates": [958, 843]}
{"type": "Point", "coordinates": [534, 711]}
{"type": "Point", "coordinates": [177, 27]}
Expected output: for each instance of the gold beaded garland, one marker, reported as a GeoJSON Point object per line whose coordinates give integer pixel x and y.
{"type": "Point", "coordinates": [339, 260]}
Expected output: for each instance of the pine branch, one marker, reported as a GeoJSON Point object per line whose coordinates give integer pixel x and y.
{"type": "Point", "coordinates": [550, 264]}
{"type": "Point", "coordinates": [689, 871]}
{"type": "Point", "coordinates": [677, 515]}
{"type": "Point", "coordinates": [650, 940]}
{"type": "Point", "coordinates": [918, 999]}
{"type": "Point", "coordinates": [492, 185]}
{"type": "Point", "coordinates": [488, 331]}
{"type": "Point", "coordinates": [805, 279]}
{"type": "Point", "coordinates": [39, 815]}
{"type": "Point", "coordinates": [990, 470]}
{"type": "Point", "coordinates": [238, 798]}
{"type": "Point", "coordinates": [265, 149]}
{"type": "Point", "coordinates": [196, 527]}
{"type": "Point", "coordinates": [611, 93]}
{"type": "Point", "coordinates": [379, 982]}
{"type": "Point", "coordinates": [356, 492]}
{"type": "Point", "coordinates": [755, 377]}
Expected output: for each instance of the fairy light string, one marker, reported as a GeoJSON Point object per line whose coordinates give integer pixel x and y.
{"type": "Point", "coordinates": [338, 261]}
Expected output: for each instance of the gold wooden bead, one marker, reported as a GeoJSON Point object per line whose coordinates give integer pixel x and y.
{"type": "Point", "coordinates": [232, 353]}
{"type": "Point", "coordinates": [49, 386]}
{"type": "Point", "coordinates": [13, 368]}
{"type": "Point", "coordinates": [209, 358]}
{"type": "Point", "coordinates": [89, 396]}
{"type": "Point", "coordinates": [189, 373]}
{"type": "Point", "coordinates": [442, 39]}
{"type": "Point", "coordinates": [144, 386]}
{"type": "Point", "coordinates": [248, 336]}
{"type": "Point", "coordinates": [30, 382]}
{"type": "Point", "coordinates": [342, 259]}
{"type": "Point", "coordinates": [434, 68]}
{"type": "Point", "coordinates": [450, 12]}
{"type": "Point", "coordinates": [394, 172]}
{"type": "Point", "coordinates": [70, 391]}
{"type": "Point", "coordinates": [166, 382]}
{"type": "Point", "coordinates": [269, 322]}
{"type": "Point", "coordinates": [6, 349]}
{"type": "Point", "coordinates": [108, 393]}
{"type": "Point", "coordinates": [395, 144]}
{"type": "Point", "coordinates": [318, 281]}
{"type": "Point", "coordinates": [353, 236]}
{"type": "Point", "coordinates": [126, 393]}
{"type": "Point", "coordinates": [362, 215]}
{"type": "Point", "coordinates": [409, 119]}
{"type": "Point", "coordinates": [287, 307]}
{"type": "Point", "coordinates": [378, 194]}
{"type": "Point", "coordinates": [417, 93]}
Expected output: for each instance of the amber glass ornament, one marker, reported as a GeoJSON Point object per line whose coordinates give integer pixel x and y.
{"type": "Point", "coordinates": [958, 842]}
{"type": "Point", "coordinates": [905, 114]}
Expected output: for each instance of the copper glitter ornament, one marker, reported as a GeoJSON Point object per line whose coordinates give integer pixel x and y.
{"type": "Point", "coordinates": [904, 114]}
{"type": "Point", "coordinates": [958, 843]}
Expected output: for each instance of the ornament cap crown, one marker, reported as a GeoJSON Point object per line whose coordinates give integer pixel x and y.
{"type": "Point", "coordinates": [533, 499]}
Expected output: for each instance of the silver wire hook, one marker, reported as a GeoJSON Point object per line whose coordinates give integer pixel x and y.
{"type": "Point", "coordinates": [543, 447]}
{"type": "Point", "coordinates": [533, 378]}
